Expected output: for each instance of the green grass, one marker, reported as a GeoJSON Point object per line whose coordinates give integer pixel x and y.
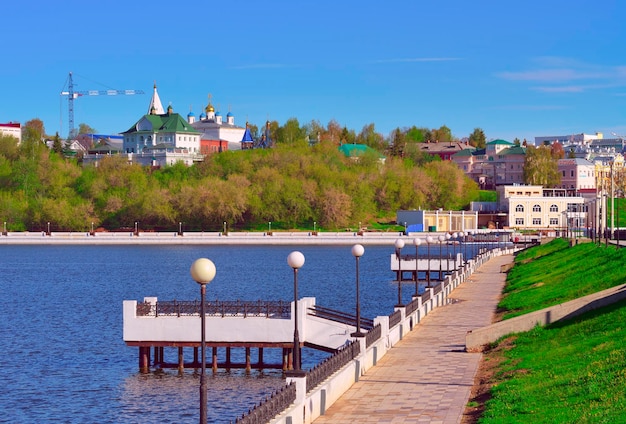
{"type": "Point", "coordinates": [572, 371]}
{"type": "Point", "coordinates": [554, 273]}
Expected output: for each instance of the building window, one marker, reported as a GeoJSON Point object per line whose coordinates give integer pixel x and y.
{"type": "Point", "coordinates": [554, 221]}
{"type": "Point", "coordinates": [536, 221]}
{"type": "Point", "coordinates": [519, 208]}
{"type": "Point", "coordinates": [519, 221]}
{"type": "Point", "coordinates": [537, 208]}
{"type": "Point", "coordinates": [554, 208]}
{"type": "Point", "coordinates": [571, 173]}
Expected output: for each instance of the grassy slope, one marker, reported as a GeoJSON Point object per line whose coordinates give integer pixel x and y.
{"type": "Point", "coordinates": [570, 372]}
{"type": "Point", "coordinates": [555, 273]}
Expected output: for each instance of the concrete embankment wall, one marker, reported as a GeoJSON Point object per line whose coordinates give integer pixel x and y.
{"type": "Point", "coordinates": [477, 339]}
{"type": "Point", "coordinates": [203, 238]}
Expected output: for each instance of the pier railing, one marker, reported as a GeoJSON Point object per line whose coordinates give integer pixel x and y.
{"type": "Point", "coordinates": [373, 335]}
{"type": "Point", "coordinates": [395, 318]}
{"type": "Point", "coordinates": [332, 364]}
{"type": "Point", "coordinates": [338, 316]}
{"type": "Point", "coordinates": [268, 309]}
{"type": "Point", "coordinates": [271, 406]}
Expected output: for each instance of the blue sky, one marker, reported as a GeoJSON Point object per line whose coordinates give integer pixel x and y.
{"type": "Point", "coordinates": [514, 69]}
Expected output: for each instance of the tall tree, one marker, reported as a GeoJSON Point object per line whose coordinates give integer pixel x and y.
{"type": "Point", "coordinates": [86, 129]}
{"type": "Point", "coordinates": [370, 137]}
{"type": "Point", "coordinates": [541, 167]}
{"type": "Point", "coordinates": [443, 134]}
{"type": "Point", "coordinates": [398, 143]}
{"type": "Point", "coordinates": [477, 138]}
{"type": "Point", "coordinates": [57, 146]}
{"type": "Point", "coordinates": [35, 128]}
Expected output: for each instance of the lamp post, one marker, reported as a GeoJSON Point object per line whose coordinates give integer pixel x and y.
{"type": "Point", "coordinates": [48, 233]}
{"type": "Point", "coordinates": [224, 227]}
{"type": "Point", "coordinates": [295, 261]}
{"type": "Point", "coordinates": [5, 229]}
{"type": "Point", "coordinates": [357, 252]}
{"type": "Point", "coordinates": [429, 241]}
{"type": "Point", "coordinates": [269, 229]}
{"type": "Point", "coordinates": [399, 245]}
{"type": "Point", "coordinates": [441, 238]}
{"type": "Point", "coordinates": [467, 235]}
{"type": "Point", "coordinates": [417, 243]}
{"type": "Point", "coordinates": [180, 228]}
{"type": "Point", "coordinates": [448, 236]}
{"type": "Point", "coordinates": [314, 226]}
{"type": "Point", "coordinates": [455, 236]}
{"type": "Point", "coordinates": [136, 228]}
{"type": "Point", "coordinates": [203, 272]}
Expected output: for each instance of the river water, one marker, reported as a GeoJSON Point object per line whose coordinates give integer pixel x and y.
{"type": "Point", "coordinates": [64, 359]}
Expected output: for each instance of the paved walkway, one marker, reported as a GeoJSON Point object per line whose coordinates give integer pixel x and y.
{"type": "Point", "coordinates": [399, 390]}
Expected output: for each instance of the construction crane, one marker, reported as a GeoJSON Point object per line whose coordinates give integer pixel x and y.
{"type": "Point", "coordinates": [74, 94]}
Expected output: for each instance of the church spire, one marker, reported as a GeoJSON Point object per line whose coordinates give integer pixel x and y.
{"type": "Point", "coordinates": [155, 108]}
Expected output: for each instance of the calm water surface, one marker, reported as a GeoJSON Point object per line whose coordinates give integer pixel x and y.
{"type": "Point", "coordinates": [61, 324]}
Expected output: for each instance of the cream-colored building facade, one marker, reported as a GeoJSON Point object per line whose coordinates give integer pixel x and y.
{"type": "Point", "coordinates": [538, 208]}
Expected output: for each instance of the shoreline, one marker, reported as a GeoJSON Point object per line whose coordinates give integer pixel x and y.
{"type": "Point", "coordinates": [204, 238]}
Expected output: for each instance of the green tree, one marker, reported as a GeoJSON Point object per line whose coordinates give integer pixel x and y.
{"type": "Point", "coordinates": [86, 129]}
{"type": "Point", "coordinates": [477, 138]}
{"type": "Point", "coordinates": [443, 134]}
{"type": "Point", "coordinates": [541, 167]}
{"type": "Point", "coordinates": [416, 135]}
{"type": "Point", "coordinates": [57, 146]}
{"type": "Point", "coordinates": [370, 137]}
{"type": "Point", "coordinates": [398, 145]}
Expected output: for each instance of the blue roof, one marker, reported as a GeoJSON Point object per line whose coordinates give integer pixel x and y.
{"type": "Point", "coordinates": [247, 136]}
{"type": "Point", "coordinates": [191, 114]}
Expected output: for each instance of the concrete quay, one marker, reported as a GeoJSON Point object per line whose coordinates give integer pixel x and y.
{"type": "Point", "coordinates": [427, 376]}
{"type": "Point", "coordinates": [208, 238]}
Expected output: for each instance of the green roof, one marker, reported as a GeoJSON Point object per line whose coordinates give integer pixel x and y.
{"type": "Point", "coordinates": [465, 152]}
{"type": "Point", "coordinates": [355, 150]}
{"type": "Point", "coordinates": [499, 141]}
{"type": "Point", "coordinates": [171, 123]}
{"type": "Point", "coordinates": [515, 150]}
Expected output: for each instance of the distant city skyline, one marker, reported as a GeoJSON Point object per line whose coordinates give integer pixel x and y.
{"type": "Point", "coordinates": [519, 70]}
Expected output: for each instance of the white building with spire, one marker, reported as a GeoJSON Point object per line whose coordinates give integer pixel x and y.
{"type": "Point", "coordinates": [215, 130]}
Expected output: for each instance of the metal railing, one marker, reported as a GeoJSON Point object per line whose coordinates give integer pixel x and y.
{"type": "Point", "coordinates": [373, 335]}
{"type": "Point", "coordinates": [271, 406]}
{"type": "Point", "coordinates": [411, 306]}
{"type": "Point", "coordinates": [338, 316]}
{"type": "Point", "coordinates": [395, 318]}
{"type": "Point", "coordinates": [268, 309]}
{"type": "Point", "coordinates": [425, 296]}
{"type": "Point", "coordinates": [332, 364]}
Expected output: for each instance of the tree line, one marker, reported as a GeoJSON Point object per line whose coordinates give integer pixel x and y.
{"type": "Point", "coordinates": [292, 185]}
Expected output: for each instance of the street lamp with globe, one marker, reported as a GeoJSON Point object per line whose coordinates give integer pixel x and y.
{"type": "Point", "coordinates": [203, 272]}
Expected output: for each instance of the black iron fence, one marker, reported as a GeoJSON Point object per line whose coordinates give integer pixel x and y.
{"type": "Point", "coordinates": [332, 364]}
{"type": "Point", "coordinates": [268, 309]}
{"type": "Point", "coordinates": [271, 406]}
{"type": "Point", "coordinates": [395, 318]}
{"type": "Point", "coordinates": [373, 335]}
{"type": "Point", "coordinates": [411, 306]}
{"type": "Point", "coordinates": [425, 296]}
{"type": "Point", "coordinates": [338, 316]}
